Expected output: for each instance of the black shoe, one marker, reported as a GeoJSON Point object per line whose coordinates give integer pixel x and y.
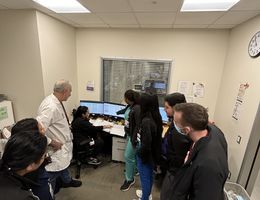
{"type": "Point", "coordinates": [72, 183]}
{"type": "Point", "coordinates": [126, 185]}
{"type": "Point", "coordinates": [94, 161]}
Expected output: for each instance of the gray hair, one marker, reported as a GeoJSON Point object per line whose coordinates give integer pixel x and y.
{"type": "Point", "coordinates": [61, 85]}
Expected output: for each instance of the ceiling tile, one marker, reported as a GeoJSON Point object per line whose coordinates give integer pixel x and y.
{"type": "Point", "coordinates": [83, 18]}
{"type": "Point", "coordinates": [92, 26]}
{"type": "Point", "coordinates": [3, 7]}
{"type": "Point", "coordinates": [156, 26]}
{"type": "Point", "coordinates": [247, 5]}
{"type": "Point", "coordinates": [17, 4]}
{"type": "Point", "coordinates": [124, 26]}
{"type": "Point", "coordinates": [155, 5]}
{"type": "Point", "coordinates": [197, 17]}
{"type": "Point", "coordinates": [236, 17]}
{"type": "Point", "coordinates": [118, 18]}
{"type": "Point", "coordinates": [107, 5]}
{"type": "Point", "coordinates": [155, 18]}
{"type": "Point", "coordinates": [190, 26]}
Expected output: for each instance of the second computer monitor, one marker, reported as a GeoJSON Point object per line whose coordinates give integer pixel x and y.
{"type": "Point", "coordinates": [110, 109]}
{"type": "Point", "coordinates": [94, 107]}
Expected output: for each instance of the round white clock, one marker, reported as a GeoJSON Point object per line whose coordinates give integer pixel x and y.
{"type": "Point", "coordinates": [254, 45]}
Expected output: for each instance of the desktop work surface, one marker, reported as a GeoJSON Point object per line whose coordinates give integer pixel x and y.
{"type": "Point", "coordinates": [117, 130]}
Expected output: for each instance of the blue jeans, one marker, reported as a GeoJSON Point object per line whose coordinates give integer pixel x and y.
{"type": "Point", "coordinates": [146, 176]}
{"type": "Point", "coordinates": [130, 160]}
{"type": "Point", "coordinates": [63, 175]}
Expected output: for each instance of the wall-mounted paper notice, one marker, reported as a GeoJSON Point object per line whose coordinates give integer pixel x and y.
{"type": "Point", "coordinates": [198, 90]}
{"type": "Point", "coordinates": [90, 86]}
{"type": "Point", "coordinates": [239, 101]}
{"type": "Point", "coordinates": [184, 87]}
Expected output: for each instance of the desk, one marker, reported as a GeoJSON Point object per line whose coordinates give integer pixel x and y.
{"type": "Point", "coordinates": [118, 140]}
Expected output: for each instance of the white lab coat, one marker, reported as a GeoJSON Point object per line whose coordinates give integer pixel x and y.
{"type": "Point", "coordinates": [53, 119]}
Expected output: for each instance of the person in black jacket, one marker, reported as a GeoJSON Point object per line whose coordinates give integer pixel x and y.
{"type": "Point", "coordinates": [148, 142]}
{"type": "Point", "coordinates": [174, 146]}
{"type": "Point", "coordinates": [23, 153]}
{"type": "Point", "coordinates": [82, 129]}
{"type": "Point", "coordinates": [203, 175]}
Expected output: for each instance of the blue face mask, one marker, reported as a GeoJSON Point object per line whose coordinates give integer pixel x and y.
{"type": "Point", "coordinates": [179, 129]}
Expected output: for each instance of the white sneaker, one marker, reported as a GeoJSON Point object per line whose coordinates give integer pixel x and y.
{"type": "Point", "coordinates": [139, 193]}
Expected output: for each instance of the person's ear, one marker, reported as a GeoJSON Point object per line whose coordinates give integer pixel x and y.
{"type": "Point", "coordinates": [186, 129]}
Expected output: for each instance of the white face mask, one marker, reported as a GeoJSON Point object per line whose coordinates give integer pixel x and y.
{"type": "Point", "coordinates": [179, 129]}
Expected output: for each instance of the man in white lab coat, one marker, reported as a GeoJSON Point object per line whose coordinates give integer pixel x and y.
{"type": "Point", "coordinates": [52, 115]}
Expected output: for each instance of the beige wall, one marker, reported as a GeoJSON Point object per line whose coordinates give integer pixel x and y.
{"type": "Point", "coordinates": [198, 55]}
{"type": "Point", "coordinates": [58, 55]}
{"type": "Point", "coordinates": [20, 66]}
{"type": "Point", "coordinates": [239, 68]}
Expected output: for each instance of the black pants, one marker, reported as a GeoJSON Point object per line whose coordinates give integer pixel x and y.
{"type": "Point", "coordinates": [167, 189]}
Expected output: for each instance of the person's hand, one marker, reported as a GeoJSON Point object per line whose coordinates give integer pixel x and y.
{"type": "Point", "coordinates": [107, 126]}
{"type": "Point", "coordinates": [55, 145]}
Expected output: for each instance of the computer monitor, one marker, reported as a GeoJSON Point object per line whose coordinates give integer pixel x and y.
{"type": "Point", "coordinates": [111, 109]}
{"type": "Point", "coordinates": [94, 107]}
{"type": "Point", "coordinates": [159, 85]}
{"type": "Point", "coordinates": [163, 114]}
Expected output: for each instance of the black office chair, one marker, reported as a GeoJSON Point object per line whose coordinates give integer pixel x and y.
{"type": "Point", "coordinates": [81, 152]}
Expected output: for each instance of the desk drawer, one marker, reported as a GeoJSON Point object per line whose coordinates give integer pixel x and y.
{"type": "Point", "coordinates": [119, 142]}
{"type": "Point", "coordinates": [118, 149]}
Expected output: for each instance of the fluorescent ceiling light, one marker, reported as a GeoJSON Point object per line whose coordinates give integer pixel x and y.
{"type": "Point", "coordinates": [63, 6]}
{"type": "Point", "coordinates": [207, 5]}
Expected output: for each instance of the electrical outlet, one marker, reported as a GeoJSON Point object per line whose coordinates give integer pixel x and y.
{"type": "Point", "coordinates": [238, 139]}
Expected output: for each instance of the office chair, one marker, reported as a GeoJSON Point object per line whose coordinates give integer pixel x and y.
{"type": "Point", "coordinates": [81, 152]}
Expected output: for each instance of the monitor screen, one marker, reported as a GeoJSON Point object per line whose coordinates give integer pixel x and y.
{"type": "Point", "coordinates": [111, 109]}
{"type": "Point", "coordinates": [159, 85]}
{"type": "Point", "coordinates": [94, 107]}
{"type": "Point", "coordinates": [163, 114]}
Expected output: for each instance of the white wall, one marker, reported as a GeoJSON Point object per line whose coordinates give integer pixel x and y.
{"type": "Point", "coordinates": [58, 55]}
{"type": "Point", "coordinates": [20, 66]}
{"type": "Point", "coordinates": [239, 68]}
{"type": "Point", "coordinates": [198, 55]}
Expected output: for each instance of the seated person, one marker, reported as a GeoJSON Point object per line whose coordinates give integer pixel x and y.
{"type": "Point", "coordinates": [23, 153]}
{"type": "Point", "coordinates": [82, 129]}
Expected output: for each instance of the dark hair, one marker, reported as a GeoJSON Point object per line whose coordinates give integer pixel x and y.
{"type": "Point", "coordinates": [132, 96]}
{"type": "Point", "coordinates": [79, 112]}
{"type": "Point", "coordinates": [28, 124]}
{"type": "Point", "coordinates": [193, 115]}
{"type": "Point", "coordinates": [175, 98]}
{"type": "Point", "coordinates": [150, 106]}
{"type": "Point", "coordinates": [23, 149]}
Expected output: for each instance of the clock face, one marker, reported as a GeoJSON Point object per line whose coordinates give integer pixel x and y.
{"type": "Point", "coordinates": [254, 45]}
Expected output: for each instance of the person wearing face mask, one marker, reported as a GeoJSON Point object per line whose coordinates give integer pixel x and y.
{"type": "Point", "coordinates": [203, 175]}
{"type": "Point", "coordinates": [175, 146]}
